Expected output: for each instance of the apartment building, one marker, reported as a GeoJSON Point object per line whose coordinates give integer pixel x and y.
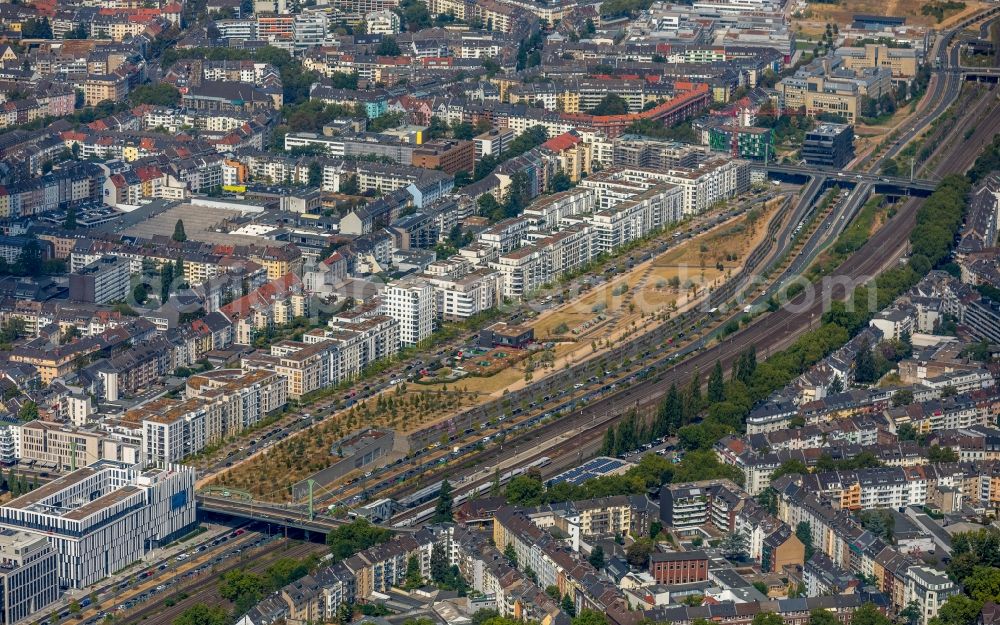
{"type": "Point", "coordinates": [110, 87]}
{"type": "Point", "coordinates": [493, 142]}
{"type": "Point", "coordinates": [929, 588]}
{"type": "Point", "coordinates": [217, 405]}
{"type": "Point", "coordinates": [868, 489]}
{"type": "Point", "coordinates": [458, 298]}
{"type": "Point", "coordinates": [383, 566]}
{"type": "Point", "coordinates": [410, 302]}
{"type": "Point", "coordinates": [690, 506]}
{"type": "Point", "coordinates": [548, 212]}
{"type": "Point", "coordinates": [844, 541]}
{"type": "Point", "coordinates": [62, 447]}
{"type": "Point", "coordinates": [104, 517]}
{"type": "Point", "coordinates": [329, 357]}
{"type": "Point", "coordinates": [105, 280]}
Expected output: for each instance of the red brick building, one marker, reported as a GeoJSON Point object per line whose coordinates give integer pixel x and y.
{"type": "Point", "coordinates": [448, 155]}
{"type": "Point", "coordinates": [679, 567]}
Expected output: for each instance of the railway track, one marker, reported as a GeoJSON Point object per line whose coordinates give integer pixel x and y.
{"type": "Point", "coordinates": [768, 334]}
{"type": "Point", "coordinates": [204, 589]}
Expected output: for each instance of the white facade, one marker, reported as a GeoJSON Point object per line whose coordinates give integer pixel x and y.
{"type": "Point", "coordinates": [382, 23]}
{"type": "Point", "coordinates": [102, 518]}
{"type": "Point", "coordinates": [411, 303]}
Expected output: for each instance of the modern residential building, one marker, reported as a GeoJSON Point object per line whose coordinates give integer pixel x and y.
{"type": "Point", "coordinates": [411, 302]}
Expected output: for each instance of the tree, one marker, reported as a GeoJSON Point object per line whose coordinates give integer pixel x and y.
{"type": "Point", "coordinates": [865, 370]}
{"type": "Point", "coordinates": [29, 261]}
{"type": "Point", "coordinates": [984, 584]}
{"type": "Point", "coordinates": [350, 186]}
{"type": "Point", "coordinates": [568, 606]}
{"type": "Point", "coordinates": [28, 411]}
{"type": "Point", "coordinates": [637, 554]}
{"type": "Point", "coordinates": [941, 454]}
{"type": "Point", "coordinates": [716, 385]}
{"type": "Point", "coordinates": [159, 94]}
{"type": "Point", "coordinates": [74, 607]}
{"type": "Point", "coordinates": [803, 531]}
{"type": "Point", "coordinates": [767, 618]}
{"type": "Point", "coordinates": [734, 545]}
{"type": "Point", "coordinates": [464, 131]}
{"type": "Point", "coordinates": [611, 104]}
{"type": "Point", "coordinates": [495, 484]}
{"type": "Point", "coordinates": [179, 269]}
{"type": "Point", "coordinates": [524, 490]}
{"type": "Point", "coordinates": [902, 397]}
{"type": "Point", "coordinates": [347, 540]}
{"type": "Point", "coordinates": [959, 609]}
{"type": "Point", "coordinates": [388, 47]}
{"type": "Point", "coordinates": [878, 521]}
{"type": "Point", "coordinates": [166, 281]}
{"type": "Point", "coordinates": [413, 577]}
{"type": "Point", "coordinates": [837, 386]}
{"type": "Point", "coordinates": [596, 557]}
{"type": "Point", "coordinates": [70, 222]}
{"type": "Point", "coordinates": [560, 182]}
{"type": "Point", "coordinates": [439, 564]}
{"type": "Point", "coordinates": [792, 465]}
{"type": "Point", "coordinates": [140, 293]}
{"type": "Point", "coordinates": [590, 617]}
{"type": "Point", "coordinates": [242, 588]}
{"type": "Point", "coordinates": [201, 614]}
{"type": "Point", "coordinates": [442, 511]}
{"type": "Point", "coordinates": [414, 15]}
{"type": "Point", "coordinates": [179, 234]}
{"type": "Point", "coordinates": [315, 174]}
{"type": "Point", "coordinates": [511, 554]}
{"type": "Point", "coordinates": [911, 613]}
{"type": "Point", "coordinates": [868, 614]}
{"type": "Point", "coordinates": [36, 29]}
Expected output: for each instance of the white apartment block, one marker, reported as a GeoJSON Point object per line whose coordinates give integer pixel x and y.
{"type": "Point", "coordinates": [549, 211]}
{"type": "Point", "coordinates": [636, 217]}
{"type": "Point", "coordinates": [104, 517]}
{"type": "Point", "coordinates": [382, 23]}
{"type": "Point", "coordinates": [461, 297]}
{"type": "Point", "coordinates": [172, 120]}
{"type": "Point", "coordinates": [506, 235]}
{"type": "Point", "coordinates": [217, 404]}
{"type": "Point", "coordinates": [713, 181]}
{"type": "Point", "coordinates": [411, 302]}
{"type": "Point", "coordinates": [929, 588]}
{"type": "Point", "coordinates": [309, 29]}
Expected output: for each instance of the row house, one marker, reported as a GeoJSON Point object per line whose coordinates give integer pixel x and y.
{"type": "Point", "coordinates": [379, 568]}
{"type": "Point", "coordinates": [848, 546]}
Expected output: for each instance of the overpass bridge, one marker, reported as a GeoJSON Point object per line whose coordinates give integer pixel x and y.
{"type": "Point", "coordinates": [886, 185]}
{"type": "Point", "coordinates": [248, 509]}
{"type": "Point", "coordinates": [239, 505]}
